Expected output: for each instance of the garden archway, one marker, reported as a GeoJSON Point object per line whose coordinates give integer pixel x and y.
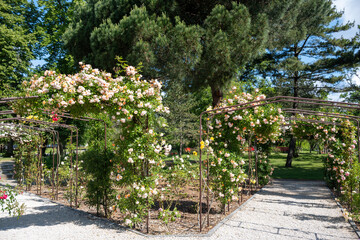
{"type": "Point", "coordinates": [131, 104]}
{"type": "Point", "coordinates": [299, 102]}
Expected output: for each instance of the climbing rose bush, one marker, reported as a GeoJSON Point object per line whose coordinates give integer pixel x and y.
{"type": "Point", "coordinates": [92, 90]}
{"type": "Point", "coordinates": [341, 164]}
{"type": "Point", "coordinates": [9, 203]}
{"type": "Point", "coordinates": [133, 105]}
{"type": "Point", "coordinates": [228, 137]}
{"type": "Point", "coordinates": [337, 136]}
{"type": "Point", "coordinates": [138, 161]}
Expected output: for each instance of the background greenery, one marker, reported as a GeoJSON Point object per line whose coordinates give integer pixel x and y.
{"type": "Point", "coordinates": [305, 167]}
{"type": "Point", "coordinates": [196, 48]}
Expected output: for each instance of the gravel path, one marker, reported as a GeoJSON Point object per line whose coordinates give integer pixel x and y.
{"type": "Point", "coordinates": [283, 210]}
{"type": "Point", "coordinates": [289, 210]}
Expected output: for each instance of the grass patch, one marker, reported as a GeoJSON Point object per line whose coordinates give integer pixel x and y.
{"type": "Point", "coordinates": [306, 167]}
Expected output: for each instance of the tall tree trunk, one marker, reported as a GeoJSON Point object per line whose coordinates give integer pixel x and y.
{"type": "Point", "coordinates": [61, 149]}
{"type": "Point", "coordinates": [217, 95]}
{"type": "Point", "coordinates": [181, 145]}
{"type": "Point", "coordinates": [291, 152]}
{"type": "Point", "coordinates": [10, 149]}
{"type": "Point", "coordinates": [292, 144]}
{"type": "Point", "coordinates": [313, 146]}
{"type": "Point", "coordinates": [297, 149]}
{"type": "Point", "coordinates": [43, 149]}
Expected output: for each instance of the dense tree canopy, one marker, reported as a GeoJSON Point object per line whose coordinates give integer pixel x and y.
{"type": "Point", "coordinates": [208, 43]}
{"type": "Point", "coordinates": [203, 43]}
{"type": "Point", "coordinates": [54, 17]}
{"type": "Point", "coordinates": [16, 42]}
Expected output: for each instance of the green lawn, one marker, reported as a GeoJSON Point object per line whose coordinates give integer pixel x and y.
{"type": "Point", "coordinates": [307, 166]}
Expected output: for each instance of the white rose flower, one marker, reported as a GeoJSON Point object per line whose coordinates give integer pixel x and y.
{"type": "Point", "coordinates": [128, 222]}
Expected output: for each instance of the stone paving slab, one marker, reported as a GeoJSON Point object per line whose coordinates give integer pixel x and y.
{"type": "Point", "coordinates": [282, 210]}
{"type": "Point", "coordinates": [290, 210]}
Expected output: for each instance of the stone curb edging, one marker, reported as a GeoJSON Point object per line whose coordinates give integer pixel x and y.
{"type": "Point", "coordinates": [116, 225]}
{"type": "Point", "coordinates": [211, 231]}
{"type": "Point", "coordinates": [227, 218]}
{"type": "Point", "coordinates": [350, 221]}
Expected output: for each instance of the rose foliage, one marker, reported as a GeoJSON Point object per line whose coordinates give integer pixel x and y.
{"type": "Point", "coordinates": [231, 133]}
{"type": "Point", "coordinates": [133, 105]}
{"type": "Point", "coordinates": [341, 164]}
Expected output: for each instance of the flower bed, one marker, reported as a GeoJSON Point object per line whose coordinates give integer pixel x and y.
{"type": "Point", "coordinates": [187, 207]}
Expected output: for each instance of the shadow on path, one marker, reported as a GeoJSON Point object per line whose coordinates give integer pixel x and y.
{"type": "Point", "coordinates": [291, 233]}
{"type": "Point", "coordinates": [51, 214]}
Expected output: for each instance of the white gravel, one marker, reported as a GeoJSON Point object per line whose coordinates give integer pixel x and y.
{"type": "Point", "coordinates": [283, 210]}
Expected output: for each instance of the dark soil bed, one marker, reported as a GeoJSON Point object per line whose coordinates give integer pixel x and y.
{"type": "Point", "coordinates": [187, 206]}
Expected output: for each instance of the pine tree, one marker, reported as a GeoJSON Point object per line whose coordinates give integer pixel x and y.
{"type": "Point", "coordinates": [201, 43]}
{"type": "Point", "coordinates": [309, 63]}
{"type": "Point", "coordinates": [183, 123]}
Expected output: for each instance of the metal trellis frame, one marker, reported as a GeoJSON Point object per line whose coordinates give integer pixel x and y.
{"type": "Point", "coordinates": [53, 133]}
{"type": "Point", "coordinates": [278, 99]}
{"type": "Point", "coordinates": [55, 125]}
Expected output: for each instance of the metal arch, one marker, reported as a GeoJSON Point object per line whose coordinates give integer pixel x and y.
{"type": "Point", "coordinates": [7, 99]}
{"type": "Point", "coordinates": [10, 99]}
{"type": "Point", "coordinates": [312, 121]}
{"type": "Point", "coordinates": [53, 133]}
{"type": "Point", "coordinates": [67, 115]}
{"type": "Point", "coordinates": [334, 115]}
{"type": "Point", "coordinates": [87, 119]}
{"type": "Point", "coordinates": [262, 102]}
{"type": "Point", "coordinates": [64, 115]}
{"type": "Point", "coordinates": [55, 125]}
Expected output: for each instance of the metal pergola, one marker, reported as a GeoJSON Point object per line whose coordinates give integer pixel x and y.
{"type": "Point", "coordinates": [297, 101]}
{"type": "Point", "coordinates": [301, 104]}
{"type": "Point", "coordinates": [71, 127]}
{"type": "Point", "coordinates": [53, 133]}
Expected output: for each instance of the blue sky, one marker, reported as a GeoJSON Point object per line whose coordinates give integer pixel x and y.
{"type": "Point", "coordinates": [351, 10]}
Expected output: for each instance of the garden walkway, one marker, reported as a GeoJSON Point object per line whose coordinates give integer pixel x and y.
{"type": "Point", "coordinates": [283, 210]}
